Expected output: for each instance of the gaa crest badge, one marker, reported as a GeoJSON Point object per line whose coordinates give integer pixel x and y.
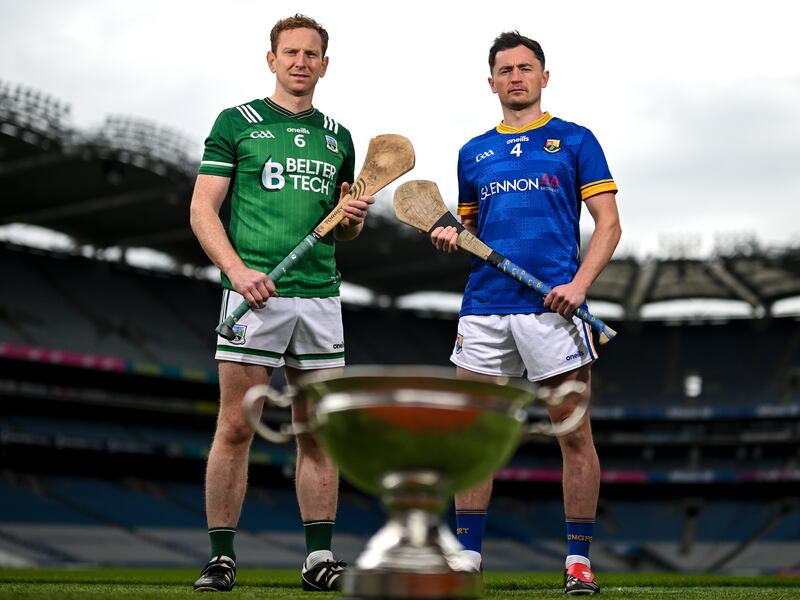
{"type": "Point", "coordinates": [552, 146]}
{"type": "Point", "coordinates": [459, 343]}
{"type": "Point", "coordinates": [239, 334]}
{"type": "Point", "coordinates": [331, 143]}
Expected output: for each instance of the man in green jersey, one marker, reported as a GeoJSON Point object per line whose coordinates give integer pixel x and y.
{"type": "Point", "coordinates": [285, 164]}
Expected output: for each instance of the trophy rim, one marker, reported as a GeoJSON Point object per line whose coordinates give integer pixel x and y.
{"type": "Point", "coordinates": [442, 387]}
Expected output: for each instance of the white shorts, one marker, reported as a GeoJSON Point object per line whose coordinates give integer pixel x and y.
{"type": "Point", "coordinates": [543, 344]}
{"type": "Point", "coordinates": [303, 333]}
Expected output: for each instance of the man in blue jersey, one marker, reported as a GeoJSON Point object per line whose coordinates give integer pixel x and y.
{"type": "Point", "coordinates": [522, 185]}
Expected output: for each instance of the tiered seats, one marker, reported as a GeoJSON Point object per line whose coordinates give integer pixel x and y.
{"type": "Point", "coordinates": [111, 503]}
{"type": "Point", "coordinates": [21, 504]}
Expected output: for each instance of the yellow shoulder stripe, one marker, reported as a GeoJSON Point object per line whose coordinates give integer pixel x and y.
{"type": "Point", "coordinates": [598, 187]}
{"type": "Point", "coordinates": [599, 181]}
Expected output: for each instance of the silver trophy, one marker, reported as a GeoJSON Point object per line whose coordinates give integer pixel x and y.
{"type": "Point", "coordinates": [415, 437]}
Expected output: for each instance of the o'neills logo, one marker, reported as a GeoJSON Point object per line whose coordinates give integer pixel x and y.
{"type": "Point", "coordinates": [578, 354]}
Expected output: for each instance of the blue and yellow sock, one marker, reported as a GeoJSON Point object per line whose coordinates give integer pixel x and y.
{"type": "Point", "coordinates": [579, 537]}
{"type": "Point", "coordinates": [470, 525]}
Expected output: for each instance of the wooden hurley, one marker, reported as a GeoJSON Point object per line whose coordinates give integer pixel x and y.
{"type": "Point", "coordinates": [419, 204]}
{"type": "Point", "coordinates": [388, 157]}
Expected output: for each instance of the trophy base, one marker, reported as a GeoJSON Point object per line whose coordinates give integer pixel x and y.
{"type": "Point", "coordinates": [372, 584]}
{"type": "Point", "coordinates": [410, 556]}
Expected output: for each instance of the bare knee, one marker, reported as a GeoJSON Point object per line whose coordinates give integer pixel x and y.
{"type": "Point", "coordinates": [310, 453]}
{"type": "Point", "coordinates": [307, 445]}
{"type": "Point", "coordinates": [233, 434]}
{"type": "Point", "coordinates": [235, 379]}
{"type": "Point", "coordinates": [577, 443]}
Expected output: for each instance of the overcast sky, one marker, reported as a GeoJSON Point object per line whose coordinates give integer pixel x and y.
{"type": "Point", "coordinates": [697, 104]}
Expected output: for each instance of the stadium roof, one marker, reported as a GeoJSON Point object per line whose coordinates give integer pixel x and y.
{"type": "Point", "coordinates": [128, 183]}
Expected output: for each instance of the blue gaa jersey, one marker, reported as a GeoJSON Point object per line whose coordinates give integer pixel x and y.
{"type": "Point", "coordinates": [526, 187]}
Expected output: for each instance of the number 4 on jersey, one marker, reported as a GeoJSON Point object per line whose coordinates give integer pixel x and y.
{"type": "Point", "coordinates": [517, 150]}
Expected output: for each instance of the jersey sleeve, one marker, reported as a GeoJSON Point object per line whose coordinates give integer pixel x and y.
{"type": "Point", "coordinates": [467, 198]}
{"type": "Point", "coordinates": [219, 156]}
{"type": "Point", "coordinates": [593, 175]}
{"type": "Point", "coordinates": [347, 170]}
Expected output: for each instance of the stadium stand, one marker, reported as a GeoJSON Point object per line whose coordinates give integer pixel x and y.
{"type": "Point", "coordinates": [108, 387]}
{"type": "Point", "coordinates": [124, 422]}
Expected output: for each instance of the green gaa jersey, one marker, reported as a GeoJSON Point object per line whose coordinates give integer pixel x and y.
{"type": "Point", "coordinates": [285, 170]}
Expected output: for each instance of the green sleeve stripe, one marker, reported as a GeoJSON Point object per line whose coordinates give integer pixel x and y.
{"type": "Point", "coordinates": [213, 170]}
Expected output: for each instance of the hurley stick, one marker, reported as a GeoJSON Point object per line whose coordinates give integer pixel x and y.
{"type": "Point", "coordinates": [388, 157]}
{"type": "Point", "coordinates": [419, 204]}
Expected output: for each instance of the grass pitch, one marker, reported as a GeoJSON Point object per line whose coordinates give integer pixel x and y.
{"type": "Point", "coordinates": [164, 584]}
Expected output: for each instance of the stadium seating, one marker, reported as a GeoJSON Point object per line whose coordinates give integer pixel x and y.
{"type": "Point", "coordinates": [132, 413]}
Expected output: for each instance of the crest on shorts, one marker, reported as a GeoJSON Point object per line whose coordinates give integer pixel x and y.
{"type": "Point", "coordinates": [239, 332]}
{"type": "Point", "coordinates": [331, 143]}
{"type": "Point", "coordinates": [552, 146]}
{"type": "Point", "coordinates": [459, 343]}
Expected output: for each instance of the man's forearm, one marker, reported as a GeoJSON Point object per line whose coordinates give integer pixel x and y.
{"type": "Point", "coordinates": [601, 248]}
{"type": "Point", "coordinates": [211, 234]}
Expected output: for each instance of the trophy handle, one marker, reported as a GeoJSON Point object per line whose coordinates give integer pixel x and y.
{"type": "Point", "coordinates": [552, 397]}
{"type": "Point", "coordinates": [274, 397]}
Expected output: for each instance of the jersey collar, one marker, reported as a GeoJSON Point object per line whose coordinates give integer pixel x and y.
{"type": "Point", "coordinates": [287, 113]}
{"type": "Point", "coordinates": [540, 122]}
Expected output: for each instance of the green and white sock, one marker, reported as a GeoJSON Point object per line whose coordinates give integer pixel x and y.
{"type": "Point", "coordinates": [222, 541]}
{"type": "Point", "coordinates": [319, 535]}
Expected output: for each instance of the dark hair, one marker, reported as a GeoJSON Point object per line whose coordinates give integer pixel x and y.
{"type": "Point", "coordinates": [297, 22]}
{"type": "Point", "coordinates": [512, 39]}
